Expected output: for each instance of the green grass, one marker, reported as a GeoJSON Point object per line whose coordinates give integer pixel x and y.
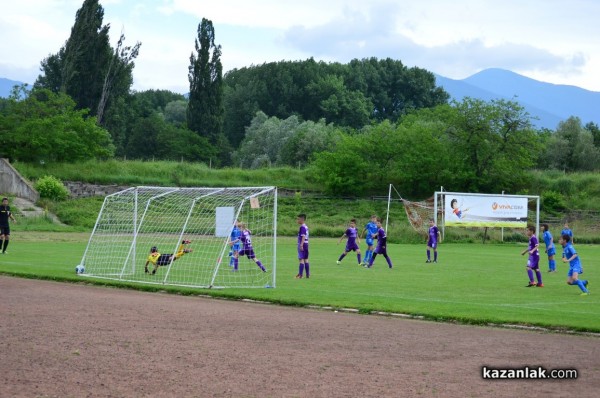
{"type": "Point", "coordinates": [473, 283]}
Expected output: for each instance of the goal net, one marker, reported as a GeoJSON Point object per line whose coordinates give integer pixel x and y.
{"type": "Point", "coordinates": [137, 221]}
{"type": "Point", "coordinates": [417, 212]}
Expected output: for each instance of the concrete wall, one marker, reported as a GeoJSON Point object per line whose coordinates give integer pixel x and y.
{"type": "Point", "coordinates": [11, 182]}
{"type": "Point", "coordinates": [82, 189]}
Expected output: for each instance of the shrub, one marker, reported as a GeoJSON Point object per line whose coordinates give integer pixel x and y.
{"type": "Point", "coordinates": [553, 202]}
{"type": "Point", "coordinates": [50, 187]}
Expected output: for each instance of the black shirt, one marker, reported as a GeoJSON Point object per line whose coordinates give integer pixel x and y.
{"type": "Point", "coordinates": [4, 214]}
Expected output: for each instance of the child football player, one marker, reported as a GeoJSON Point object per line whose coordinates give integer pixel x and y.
{"type": "Point", "coordinates": [570, 256]}
{"type": "Point", "coordinates": [352, 244]}
{"type": "Point", "coordinates": [370, 230]}
{"type": "Point", "coordinates": [533, 263]}
{"type": "Point", "coordinates": [302, 247]}
{"type": "Point", "coordinates": [432, 241]}
{"type": "Point", "coordinates": [381, 245]}
{"type": "Point", "coordinates": [550, 249]}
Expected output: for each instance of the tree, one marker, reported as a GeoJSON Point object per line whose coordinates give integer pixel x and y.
{"type": "Point", "coordinates": [46, 126]}
{"type": "Point", "coordinates": [572, 147]}
{"type": "Point", "coordinates": [496, 141]}
{"type": "Point", "coordinates": [86, 67]}
{"type": "Point", "coordinates": [205, 107]}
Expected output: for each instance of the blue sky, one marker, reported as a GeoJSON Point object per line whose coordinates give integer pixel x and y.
{"type": "Point", "coordinates": [553, 41]}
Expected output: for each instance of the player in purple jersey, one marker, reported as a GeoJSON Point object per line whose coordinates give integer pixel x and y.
{"type": "Point", "coordinates": [533, 263]}
{"type": "Point", "coordinates": [432, 241]}
{"type": "Point", "coordinates": [247, 249]}
{"type": "Point", "coordinates": [302, 247]}
{"type": "Point", "coordinates": [352, 244]}
{"type": "Point", "coordinates": [381, 245]}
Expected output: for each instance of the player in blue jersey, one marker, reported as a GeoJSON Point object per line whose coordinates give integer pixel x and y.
{"type": "Point", "coordinates": [567, 231]}
{"type": "Point", "coordinates": [351, 234]}
{"type": "Point", "coordinates": [575, 268]}
{"type": "Point", "coordinates": [236, 244]}
{"type": "Point", "coordinates": [432, 241]}
{"type": "Point", "coordinates": [247, 248]}
{"type": "Point", "coordinates": [370, 230]}
{"type": "Point", "coordinates": [550, 248]}
{"type": "Point", "coordinates": [381, 245]}
{"type": "Point", "coordinates": [302, 247]}
{"type": "Point", "coordinates": [533, 263]}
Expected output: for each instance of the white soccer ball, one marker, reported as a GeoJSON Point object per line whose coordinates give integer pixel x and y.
{"type": "Point", "coordinates": [80, 269]}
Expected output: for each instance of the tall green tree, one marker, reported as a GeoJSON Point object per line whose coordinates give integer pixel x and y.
{"type": "Point", "coordinates": [205, 112]}
{"type": "Point", "coordinates": [572, 147]}
{"type": "Point", "coordinates": [86, 67]}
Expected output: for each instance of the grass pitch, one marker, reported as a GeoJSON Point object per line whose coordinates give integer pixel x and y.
{"type": "Point", "coordinates": [471, 283]}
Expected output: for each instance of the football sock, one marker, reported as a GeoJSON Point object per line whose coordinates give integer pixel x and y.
{"type": "Point", "coordinates": [358, 257]}
{"type": "Point", "coordinates": [552, 264]}
{"type": "Point", "coordinates": [428, 254]}
{"type": "Point", "coordinates": [538, 275]}
{"type": "Point", "coordinates": [5, 245]}
{"type": "Point", "coordinates": [260, 265]}
{"type": "Point", "coordinates": [581, 285]}
{"type": "Point", "coordinates": [236, 261]}
{"type": "Point", "coordinates": [342, 257]}
{"type": "Point", "coordinates": [372, 260]}
{"type": "Point", "coordinates": [307, 270]}
{"type": "Point", "coordinates": [301, 269]}
{"type": "Point", "coordinates": [435, 256]}
{"type": "Point", "coordinates": [530, 274]}
{"type": "Point", "coordinates": [368, 256]}
{"type": "Point", "coordinates": [389, 261]}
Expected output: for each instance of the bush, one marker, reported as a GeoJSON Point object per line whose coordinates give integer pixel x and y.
{"type": "Point", "coordinates": [50, 187]}
{"type": "Point", "coordinates": [553, 202]}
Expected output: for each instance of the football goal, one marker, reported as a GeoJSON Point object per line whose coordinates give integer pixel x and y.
{"type": "Point", "coordinates": [188, 230]}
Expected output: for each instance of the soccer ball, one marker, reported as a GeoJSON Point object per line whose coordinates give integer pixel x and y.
{"type": "Point", "coordinates": [80, 269]}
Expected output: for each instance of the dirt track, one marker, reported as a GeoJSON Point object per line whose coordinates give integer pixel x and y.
{"type": "Point", "coordinates": [75, 340]}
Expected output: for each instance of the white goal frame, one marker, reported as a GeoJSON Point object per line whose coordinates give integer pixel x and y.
{"type": "Point", "coordinates": [134, 220]}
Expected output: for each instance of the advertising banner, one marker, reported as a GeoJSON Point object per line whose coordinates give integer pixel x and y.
{"type": "Point", "coordinates": [464, 210]}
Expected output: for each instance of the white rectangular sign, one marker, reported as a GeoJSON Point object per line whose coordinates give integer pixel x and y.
{"type": "Point", "coordinates": [464, 210]}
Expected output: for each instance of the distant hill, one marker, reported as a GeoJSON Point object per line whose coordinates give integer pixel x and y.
{"type": "Point", "coordinates": [6, 85]}
{"type": "Point", "coordinates": [551, 103]}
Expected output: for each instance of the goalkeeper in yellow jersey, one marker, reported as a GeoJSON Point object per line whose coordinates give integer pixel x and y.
{"type": "Point", "coordinates": [159, 260]}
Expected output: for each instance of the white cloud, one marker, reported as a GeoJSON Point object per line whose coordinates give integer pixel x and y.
{"type": "Point", "coordinates": [550, 40]}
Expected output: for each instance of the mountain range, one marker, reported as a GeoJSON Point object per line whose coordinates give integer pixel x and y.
{"type": "Point", "coordinates": [547, 103]}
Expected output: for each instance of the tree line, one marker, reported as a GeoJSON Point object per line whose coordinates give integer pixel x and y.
{"type": "Point", "coordinates": [355, 126]}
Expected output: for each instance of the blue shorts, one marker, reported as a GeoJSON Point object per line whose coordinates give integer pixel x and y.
{"type": "Point", "coordinates": [369, 241]}
{"type": "Point", "coordinates": [551, 252]}
{"type": "Point", "coordinates": [573, 269]}
{"type": "Point", "coordinates": [236, 247]}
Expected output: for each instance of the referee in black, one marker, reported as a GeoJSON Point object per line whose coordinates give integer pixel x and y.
{"type": "Point", "coordinates": [5, 215]}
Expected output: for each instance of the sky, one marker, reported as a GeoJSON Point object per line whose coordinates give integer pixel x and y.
{"type": "Point", "coordinates": [555, 41]}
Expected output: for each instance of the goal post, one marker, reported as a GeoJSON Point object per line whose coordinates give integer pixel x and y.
{"type": "Point", "coordinates": [134, 221]}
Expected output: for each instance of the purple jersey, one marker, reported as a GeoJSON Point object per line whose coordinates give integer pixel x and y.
{"type": "Point", "coordinates": [303, 250]}
{"type": "Point", "coordinates": [534, 259]}
{"type": "Point", "coordinates": [246, 239]}
{"type": "Point", "coordinates": [433, 235]}
{"type": "Point", "coordinates": [352, 234]}
{"type": "Point", "coordinates": [381, 242]}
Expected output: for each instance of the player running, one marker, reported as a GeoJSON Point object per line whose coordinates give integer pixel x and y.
{"type": "Point", "coordinates": [381, 245]}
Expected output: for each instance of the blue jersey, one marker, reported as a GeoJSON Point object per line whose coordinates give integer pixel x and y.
{"type": "Point", "coordinates": [548, 240]}
{"type": "Point", "coordinates": [568, 232]}
{"type": "Point", "coordinates": [371, 229]}
{"type": "Point", "coordinates": [568, 252]}
{"type": "Point", "coordinates": [235, 237]}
